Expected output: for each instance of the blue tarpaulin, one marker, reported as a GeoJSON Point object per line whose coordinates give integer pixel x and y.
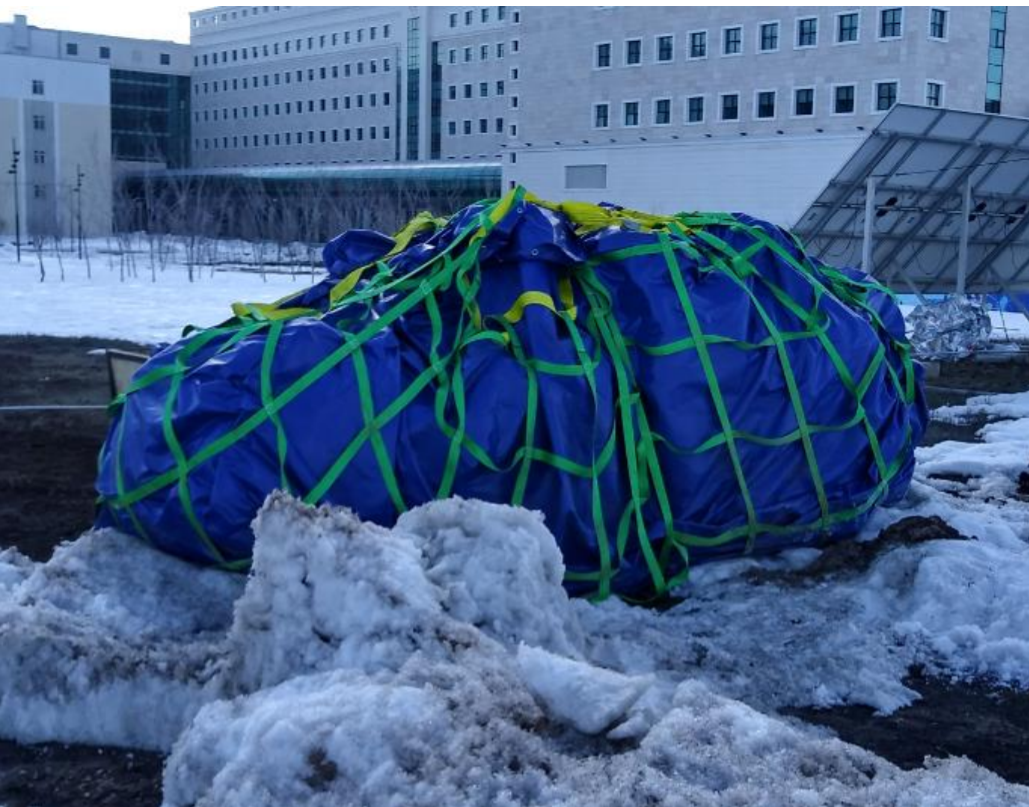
{"type": "Point", "coordinates": [665, 389]}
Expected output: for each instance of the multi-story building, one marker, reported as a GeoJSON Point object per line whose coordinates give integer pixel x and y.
{"type": "Point", "coordinates": [288, 85]}
{"type": "Point", "coordinates": [76, 107]}
{"type": "Point", "coordinates": [657, 107]}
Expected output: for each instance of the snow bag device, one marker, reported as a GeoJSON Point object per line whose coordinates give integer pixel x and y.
{"type": "Point", "coordinates": [665, 389]}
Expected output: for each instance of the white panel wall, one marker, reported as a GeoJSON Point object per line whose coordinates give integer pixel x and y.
{"type": "Point", "coordinates": [81, 83]}
{"type": "Point", "coordinates": [771, 178]}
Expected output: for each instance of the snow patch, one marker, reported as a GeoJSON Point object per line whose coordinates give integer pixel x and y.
{"type": "Point", "coordinates": [109, 642]}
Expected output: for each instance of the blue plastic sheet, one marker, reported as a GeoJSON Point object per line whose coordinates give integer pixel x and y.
{"type": "Point", "coordinates": [197, 500]}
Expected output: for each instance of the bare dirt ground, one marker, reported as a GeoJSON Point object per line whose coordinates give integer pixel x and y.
{"type": "Point", "coordinates": [47, 467]}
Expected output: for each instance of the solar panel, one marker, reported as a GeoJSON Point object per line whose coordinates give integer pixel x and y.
{"type": "Point", "coordinates": [934, 201]}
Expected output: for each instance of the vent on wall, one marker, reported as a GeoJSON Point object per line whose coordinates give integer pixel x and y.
{"type": "Point", "coordinates": [582, 177]}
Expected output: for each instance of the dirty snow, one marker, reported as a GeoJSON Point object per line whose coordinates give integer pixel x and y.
{"type": "Point", "coordinates": [362, 665]}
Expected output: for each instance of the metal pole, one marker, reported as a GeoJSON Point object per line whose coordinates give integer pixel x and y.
{"type": "Point", "coordinates": [866, 243]}
{"type": "Point", "coordinates": [966, 213]}
{"type": "Point", "coordinates": [78, 192]}
{"type": "Point", "coordinates": [14, 183]}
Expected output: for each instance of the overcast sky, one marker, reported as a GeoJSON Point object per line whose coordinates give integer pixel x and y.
{"type": "Point", "coordinates": [145, 19]}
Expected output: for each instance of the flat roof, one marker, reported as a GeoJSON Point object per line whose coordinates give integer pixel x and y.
{"type": "Point", "coordinates": [435, 171]}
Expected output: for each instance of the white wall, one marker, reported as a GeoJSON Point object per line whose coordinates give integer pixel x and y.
{"type": "Point", "coordinates": [772, 178]}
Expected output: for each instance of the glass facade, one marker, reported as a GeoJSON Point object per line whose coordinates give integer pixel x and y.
{"type": "Point", "coordinates": [995, 58]}
{"type": "Point", "coordinates": [150, 117]}
{"type": "Point", "coordinates": [414, 90]}
{"type": "Point", "coordinates": [436, 111]}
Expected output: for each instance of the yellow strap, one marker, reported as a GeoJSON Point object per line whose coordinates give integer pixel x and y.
{"type": "Point", "coordinates": [267, 312]}
{"type": "Point", "coordinates": [346, 285]}
{"type": "Point", "coordinates": [516, 311]}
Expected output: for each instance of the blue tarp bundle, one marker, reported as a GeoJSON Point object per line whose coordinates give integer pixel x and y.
{"type": "Point", "coordinates": [665, 389]}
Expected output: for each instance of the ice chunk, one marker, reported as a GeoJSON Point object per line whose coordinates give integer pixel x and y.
{"type": "Point", "coordinates": [588, 698]}
{"type": "Point", "coordinates": [500, 569]}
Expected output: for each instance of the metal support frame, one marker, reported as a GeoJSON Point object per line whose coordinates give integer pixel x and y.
{"type": "Point", "coordinates": [869, 231]}
{"type": "Point", "coordinates": [966, 215]}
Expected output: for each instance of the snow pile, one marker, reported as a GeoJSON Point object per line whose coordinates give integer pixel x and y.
{"type": "Point", "coordinates": [440, 662]}
{"type": "Point", "coordinates": [108, 642]}
{"type": "Point", "coordinates": [367, 689]}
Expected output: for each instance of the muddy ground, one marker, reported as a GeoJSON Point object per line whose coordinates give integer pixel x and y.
{"type": "Point", "coordinates": [47, 466]}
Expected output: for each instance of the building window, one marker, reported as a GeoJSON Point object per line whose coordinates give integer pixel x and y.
{"type": "Point", "coordinates": [467, 90]}
{"type": "Point", "coordinates": [633, 51]}
{"type": "Point", "coordinates": [39, 157]}
{"type": "Point", "coordinates": [891, 23]}
{"type": "Point", "coordinates": [498, 125]}
{"type": "Point", "coordinates": [500, 50]}
{"type": "Point", "coordinates": [452, 56]}
{"type": "Point", "coordinates": [662, 111]}
{"type": "Point", "coordinates": [39, 123]}
{"type": "Point", "coordinates": [847, 27]}
{"type": "Point", "coordinates": [603, 55]}
{"type": "Point", "coordinates": [452, 92]}
{"type": "Point", "coordinates": [514, 46]}
{"type": "Point", "coordinates": [483, 53]}
{"type": "Point", "coordinates": [807, 32]}
{"type": "Point", "coordinates": [467, 127]}
{"type": "Point", "coordinates": [731, 106]}
{"type": "Point", "coordinates": [695, 109]}
{"type": "Point", "coordinates": [467, 54]}
{"type": "Point", "coordinates": [484, 89]}
{"type": "Point", "coordinates": [601, 116]}
{"type": "Point", "coordinates": [885, 95]}
{"type": "Point", "coordinates": [732, 41]}
{"type": "Point", "coordinates": [38, 192]}
{"type": "Point", "coordinates": [769, 36]}
{"type": "Point", "coordinates": [165, 59]}
{"type": "Point", "coordinates": [995, 58]}
{"type": "Point", "coordinates": [500, 87]}
{"type": "Point", "coordinates": [937, 23]}
{"type": "Point", "coordinates": [698, 45]}
{"type": "Point", "coordinates": [843, 99]}
{"type": "Point", "coordinates": [453, 21]}
{"type": "Point", "coordinates": [933, 93]}
{"type": "Point", "coordinates": [632, 113]}
{"type": "Point", "coordinates": [72, 49]}
{"type": "Point", "coordinates": [452, 128]}
{"type": "Point", "coordinates": [37, 86]}
{"type": "Point", "coordinates": [804, 102]}
{"type": "Point", "coordinates": [665, 48]}
{"type": "Point", "coordinates": [468, 18]}
{"type": "Point", "coordinates": [483, 126]}
{"type": "Point", "coordinates": [766, 104]}
{"type": "Point", "coordinates": [514, 102]}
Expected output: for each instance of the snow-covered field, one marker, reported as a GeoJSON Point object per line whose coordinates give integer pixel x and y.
{"type": "Point", "coordinates": [147, 307]}
{"type": "Point", "coordinates": [150, 301]}
{"type": "Point", "coordinates": [441, 663]}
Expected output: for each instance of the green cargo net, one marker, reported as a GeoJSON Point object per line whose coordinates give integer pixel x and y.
{"type": "Point", "coordinates": [632, 441]}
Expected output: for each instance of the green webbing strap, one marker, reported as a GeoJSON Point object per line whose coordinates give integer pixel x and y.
{"type": "Point", "coordinates": [741, 262]}
{"type": "Point", "coordinates": [603, 320]}
{"type": "Point", "coordinates": [827, 345]}
{"type": "Point", "coordinates": [267, 357]}
{"type": "Point", "coordinates": [364, 391]}
{"type": "Point", "coordinates": [712, 382]}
